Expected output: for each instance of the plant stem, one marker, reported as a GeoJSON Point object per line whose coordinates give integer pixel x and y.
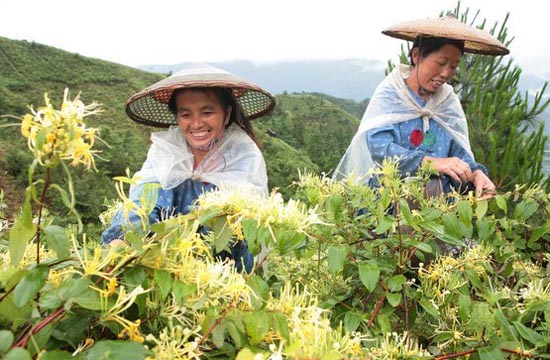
{"type": "Point", "coordinates": [518, 352]}
{"type": "Point", "coordinates": [452, 356]}
{"type": "Point", "coordinates": [40, 207]}
{"type": "Point", "coordinates": [42, 324]}
{"type": "Point", "coordinates": [216, 323]}
{"type": "Point", "coordinates": [377, 309]}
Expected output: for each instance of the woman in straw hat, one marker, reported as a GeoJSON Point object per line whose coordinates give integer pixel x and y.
{"type": "Point", "coordinates": [415, 117]}
{"type": "Point", "coordinates": [209, 143]}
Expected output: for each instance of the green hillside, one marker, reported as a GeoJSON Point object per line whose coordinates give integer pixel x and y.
{"type": "Point", "coordinates": [305, 131]}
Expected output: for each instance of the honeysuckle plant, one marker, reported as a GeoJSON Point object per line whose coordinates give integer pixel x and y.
{"type": "Point", "coordinates": [343, 271]}
{"type": "Point", "coordinates": [55, 137]}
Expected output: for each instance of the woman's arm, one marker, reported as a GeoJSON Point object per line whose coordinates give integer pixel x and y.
{"type": "Point", "coordinates": [120, 224]}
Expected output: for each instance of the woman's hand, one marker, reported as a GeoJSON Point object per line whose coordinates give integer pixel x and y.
{"type": "Point", "coordinates": [485, 189]}
{"type": "Point", "coordinates": [454, 167]}
{"type": "Point", "coordinates": [117, 242]}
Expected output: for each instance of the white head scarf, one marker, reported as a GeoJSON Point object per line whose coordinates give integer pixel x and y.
{"type": "Point", "coordinates": [393, 103]}
{"type": "Point", "coordinates": [234, 161]}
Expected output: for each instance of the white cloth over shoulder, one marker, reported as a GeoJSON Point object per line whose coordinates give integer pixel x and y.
{"type": "Point", "coordinates": [393, 103]}
{"type": "Point", "coordinates": [235, 161]}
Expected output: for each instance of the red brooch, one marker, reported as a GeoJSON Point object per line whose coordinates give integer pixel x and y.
{"type": "Point", "coordinates": [416, 137]}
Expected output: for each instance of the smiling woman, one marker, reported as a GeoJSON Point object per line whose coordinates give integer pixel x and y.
{"type": "Point", "coordinates": [209, 143]}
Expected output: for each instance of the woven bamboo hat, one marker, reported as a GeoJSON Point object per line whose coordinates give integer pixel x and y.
{"type": "Point", "coordinates": [150, 105]}
{"type": "Point", "coordinates": [475, 40]}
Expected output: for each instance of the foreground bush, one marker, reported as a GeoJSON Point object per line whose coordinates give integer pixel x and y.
{"type": "Point", "coordinates": [343, 271]}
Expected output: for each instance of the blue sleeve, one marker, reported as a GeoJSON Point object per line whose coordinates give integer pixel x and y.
{"type": "Point", "coordinates": [383, 143]}
{"type": "Point", "coordinates": [459, 152]}
{"type": "Point", "coordinates": [119, 224]}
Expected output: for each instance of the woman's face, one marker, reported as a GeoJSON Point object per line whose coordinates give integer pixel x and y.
{"type": "Point", "coordinates": [201, 118]}
{"type": "Point", "coordinates": [432, 71]}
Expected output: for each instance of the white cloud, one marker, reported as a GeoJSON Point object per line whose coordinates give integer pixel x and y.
{"type": "Point", "coordinates": [165, 31]}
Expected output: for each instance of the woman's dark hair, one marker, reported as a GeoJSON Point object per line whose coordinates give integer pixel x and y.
{"type": "Point", "coordinates": [226, 99]}
{"type": "Point", "coordinates": [427, 45]}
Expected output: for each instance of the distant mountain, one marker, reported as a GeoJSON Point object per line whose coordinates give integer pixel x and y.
{"type": "Point", "coordinates": [345, 79]}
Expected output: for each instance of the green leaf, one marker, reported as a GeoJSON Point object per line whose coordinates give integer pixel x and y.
{"type": "Point", "coordinates": [429, 307]}
{"type": "Point", "coordinates": [73, 328]}
{"type": "Point", "coordinates": [261, 291]}
{"type": "Point", "coordinates": [383, 321]}
{"type": "Point", "coordinates": [484, 229]}
{"type": "Point", "coordinates": [473, 277]}
{"type": "Point", "coordinates": [56, 355]}
{"type": "Point", "coordinates": [395, 283]}
{"type": "Point", "coordinates": [246, 354]}
{"type": "Point", "coordinates": [257, 326]}
{"type": "Point", "coordinates": [181, 290]}
{"type": "Point", "coordinates": [422, 246]}
{"type": "Point", "coordinates": [528, 334]}
{"type": "Point", "coordinates": [29, 286]}
{"type": "Point", "coordinates": [236, 332]}
{"type": "Point", "coordinates": [250, 232]}
{"type": "Point", "coordinates": [385, 223]}
{"type": "Point", "coordinates": [207, 215]}
{"type": "Point", "coordinates": [6, 340]}
{"type": "Point", "coordinates": [279, 323]}
{"type": "Point", "coordinates": [41, 138]}
{"type": "Point", "coordinates": [352, 320]}
{"type": "Point", "coordinates": [465, 212]}
{"type": "Point", "coordinates": [335, 205]}
{"type": "Point", "coordinates": [501, 203]}
{"type": "Point", "coordinates": [56, 238]}
{"type": "Point", "coordinates": [163, 280]}
{"type": "Point", "coordinates": [17, 354]}
{"type": "Point", "coordinates": [406, 212]}
{"type": "Point", "coordinates": [218, 334]}
{"type": "Point", "coordinates": [538, 233]}
{"type": "Point", "coordinates": [21, 232]}
{"type": "Point", "coordinates": [115, 350]}
{"type": "Point", "coordinates": [70, 288]}
{"type": "Point", "coordinates": [451, 224]}
{"type": "Point", "coordinates": [369, 273]}
{"type": "Point", "coordinates": [481, 208]}
{"type": "Point", "coordinates": [394, 299]}
{"type": "Point", "coordinates": [288, 240]}
{"type": "Point", "coordinates": [337, 255]}
{"type": "Point", "coordinates": [464, 304]}
{"type": "Point", "coordinates": [490, 353]}
{"type": "Point", "coordinates": [89, 299]}
{"type": "Point", "coordinates": [135, 276]}
{"type": "Point", "coordinates": [222, 233]}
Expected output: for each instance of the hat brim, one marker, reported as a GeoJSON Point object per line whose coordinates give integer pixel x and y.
{"type": "Point", "coordinates": [476, 41]}
{"type": "Point", "coordinates": [150, 106]}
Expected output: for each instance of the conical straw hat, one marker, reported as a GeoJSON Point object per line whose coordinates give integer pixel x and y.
{"type": "Point", "coordinates": [150, 105]}
{"type": "Point", "coordinates": [475, 40]}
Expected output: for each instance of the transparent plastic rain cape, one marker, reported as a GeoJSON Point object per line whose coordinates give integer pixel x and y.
{"type": "Point", "coordinates": [392, 103]}
{"type": "Point", "coordinates": [234, 161]}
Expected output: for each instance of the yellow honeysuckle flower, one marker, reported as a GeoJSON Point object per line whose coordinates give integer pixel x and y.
{"type": "Point", "coordinates": [56, 135]}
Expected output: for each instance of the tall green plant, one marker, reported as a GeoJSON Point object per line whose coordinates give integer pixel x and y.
{"type": "Point", "coordinates": [506, 130]}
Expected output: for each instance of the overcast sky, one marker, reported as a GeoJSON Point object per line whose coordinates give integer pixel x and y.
{"type": "Point", "coordinates": [168, 32]}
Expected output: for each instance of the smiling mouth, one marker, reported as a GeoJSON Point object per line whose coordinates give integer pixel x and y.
{"type": "Point", "coordinates": [438, 83]}
{"type": "Point", "coordinates": [200, 134]}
